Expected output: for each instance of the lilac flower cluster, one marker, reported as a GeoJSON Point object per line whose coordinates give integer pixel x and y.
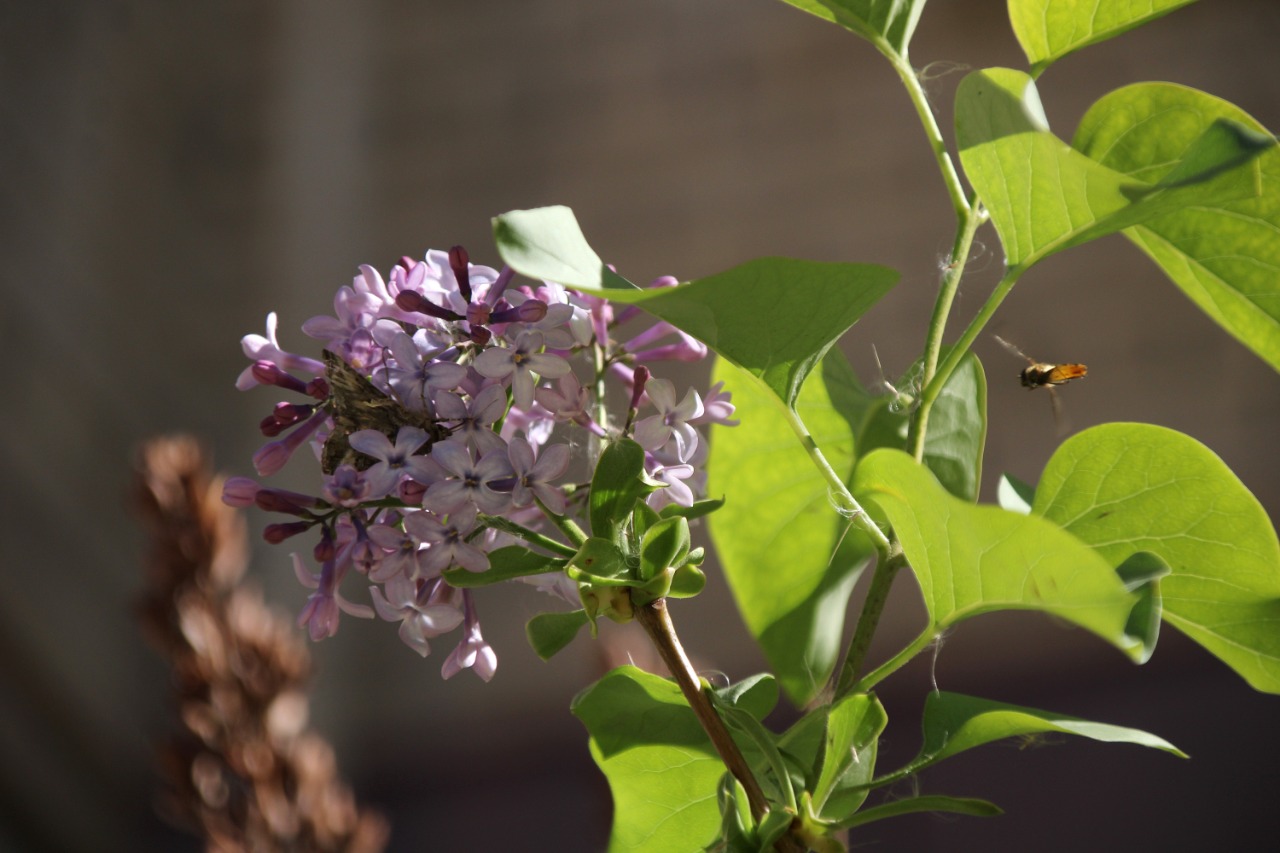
{"type": "Point", "coordinates": [443, 409]}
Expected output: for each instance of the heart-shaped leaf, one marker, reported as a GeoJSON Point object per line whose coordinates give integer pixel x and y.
{"type": "Point", "coordinates": [1129, 488]}
{"type": "Point", "coordinates": [662, 769]}
{"type": "Point", "coordinates": [1050, 29]}
{"type": "Point", "coordinates": [1045, 196]}
{"type": "Point", "coordinates": [1223, 256]}
{"type": "Point", "coordinates": [976, 559]}
{"type": "Point", "coordinates": [505, 564]}
{"type": "Point", "coordinates": [790, 558]}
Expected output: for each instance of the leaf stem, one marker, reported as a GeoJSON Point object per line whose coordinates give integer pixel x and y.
{"type": "Point", "coordinates": [895, 663]}
{"type": "Point", "coordinates": [920, 99]}
{"type": "Point", "coordinates": [970, 221]}
{"type": "Point", "coordinates": [530, 536]}
{"type": "Point", "coordinates": [931, 391]}
{"type": "Point", "coordinates": [857, 515]}
{"type": "Point", "coordinates": [869, 620]}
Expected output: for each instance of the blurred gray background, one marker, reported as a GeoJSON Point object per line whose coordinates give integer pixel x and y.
{"type": "Point", "coordinates": [174, 171]}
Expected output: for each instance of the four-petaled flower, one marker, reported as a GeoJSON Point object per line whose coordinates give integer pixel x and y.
{"type": "Point", "coordinates": [533, 479]}
{"type": "Point", "coordinates": [672, 421]}
{"type": "Point", "coordinates": [518, 363]}
{"type": "Point", "coordinates": [394, 460]}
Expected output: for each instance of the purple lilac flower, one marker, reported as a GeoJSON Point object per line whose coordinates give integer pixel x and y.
{"type": "Point", "coordinates": [533, 479]}
{"type": "Point", "coordinates": [671, 422]}
{"type": "Point", "coordinates": [447, 541]}
{"type": "Point", "coordinates": [473, 421]}
{"type": "Point", "coordinates": [472, 481]}
{"type": "Point", "coordinates": [417, 372]}
{"type": "Point", "coordinates": [260, 348]}
{"type": "Point", "coordinates": [394, 461]}
{"type": "Point", "coordinates": [320, 613]}
{"type": "Point", "coordinates": [424, 609]}
{"type": "Point", "coordinates": [473, 652]}
{"type": "Point", "coordinates": [518, 363]}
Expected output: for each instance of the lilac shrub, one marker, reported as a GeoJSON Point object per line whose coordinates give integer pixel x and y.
{"type": "Point", "coordinates": [444, 418]}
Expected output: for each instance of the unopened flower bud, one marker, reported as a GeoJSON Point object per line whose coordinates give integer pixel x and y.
{"type": "Point", "coordinates": [277, 533]}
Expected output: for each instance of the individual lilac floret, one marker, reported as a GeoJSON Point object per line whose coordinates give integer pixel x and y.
{"type": "Point", "coordinates": [716, 408]}
{"type": "Point", "coordinates": [518, 364]}
{"type": "Point", "coordinates": [472, 481]}
{"type": "Point", "coordinates": [260, 348]}
{"type": "Point", "coordinates": [447, 541]}
{"type": "Point", "coordinates": [672, 421]}
{"type": "Point", "coordinates": [417, 373]}
{"type": "Point", "coordinates": [347, 487]}
{"type": "Point", "coordinates": [569, 402]}
{"type": "Point", "coordinates": [273, 455]}
{"type": "Point", "coordinates": [676, 491]}
{"type": "Point", "coordinates": [320, 613]}
{"type": "Point", "coordinates": [473, 422]}
{"type": "Point", "coordinates": [533, 479]}
{"type": "Point", "coordinates": [424, 609]}
{"type": "Point", "coordinates": [394, 461]}
{"type": "Point", "coordinates": [473, 652]}
{"type": "Point", "coordinates": [404, 553]}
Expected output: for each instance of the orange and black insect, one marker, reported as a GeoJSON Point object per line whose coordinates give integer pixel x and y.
{"type": "Point", "coordinates": [1039, 374]}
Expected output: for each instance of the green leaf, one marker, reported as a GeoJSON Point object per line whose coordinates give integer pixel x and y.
{"type": "Point", "coordinates": [926, 803]}
{"type": "Point", "coordinates": [954, 722]}
{"type": "Point", "coordinates": [662, 769]}
{"type": "Point", "coordinates": [977, 559]}
{"type": "Point", "coordinates": [957, 433]}
{"type": "Point", "coordinates": [663, 545]}
{"type": "Point", "coordinates": [547, 243]}
{"type": "Point", "coordinates": [854, 726]}
{"type": "Point", "coordinates": [1044, 196]}
{"type": "Point", "coordinates": [773, 317]}
{"type": "Point", "coordinates": [1050, 29]}
{"type": "Point", "coordinates": [782, 545]}
{"type": "Point", "coordinates": [1126, 488]}
{"type": "Point", "coordinates": [1223, 256]}
{"type": "Point", "coordinates": [882, 22]}
{"type": "Point", "coordinates": [548, 633]}
{"type": "Point", "coordinates": [1014, 495]}
{"type": "Point", "coordinates": [619, 481]}
{"type": "Point", "coordinates": [505, 564]}
{"type": "Point", "coordinates": [698, 510]}
{"type": "Point", "coordinates": [756, 694]}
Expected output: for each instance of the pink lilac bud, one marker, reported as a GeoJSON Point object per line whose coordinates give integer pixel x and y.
{"type": "Point", "coordinates": [459, 263]}
{"type": "Point", "coordinates": [529, 311]}
{"type": "Point", "coordinates": [478, 313]}
{"type": "Point", "coordinates": [270, 427]}
{"type": "Point", "coordinates": [271, 457]}
{"type": "Point", "coordinates": [269, 374]}
{"type": "Point", "coordinates": [277, 533]}
{"type": "Point", "coordinates": [325, 549]}
{"type": "Point", "coordinates": [318, 388]}
{"type": "Point", "coordinates": [407, 300]}
{"type": "Point", "coordinates": [239, 491]}
{"type": "Point", "coordinates": [639, 379]}
{"type": "Point", "coordinates": [280, 500]}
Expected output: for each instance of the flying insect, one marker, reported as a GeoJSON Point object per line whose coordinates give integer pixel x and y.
{"type": "Point", "coordinates": [1039, 374]}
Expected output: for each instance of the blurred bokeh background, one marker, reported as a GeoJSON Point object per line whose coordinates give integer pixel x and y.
{"type": "Point", "coordinates": [174, 171]}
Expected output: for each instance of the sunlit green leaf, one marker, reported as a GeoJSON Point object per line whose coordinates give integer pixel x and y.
{"type": "Point", "coordinates": [852, 736]}
{"type": "Point", "coordinates": [976, 559]}
{"type": "Point", "coordinates": [790, 558]}
{"type": "Point", "coordinates": [1224, 256]}
{"type": "Point", "coordinates": [924, 803]}
{"type": "Point", "coordinates": [618, 482]}
{"type": "Point", "coordinates": [1126, 488]}
{"type": "Point", "coordinates": [662, 769]}
{"type": "Point", "coordinates": [773, 317]}
{"type": "Point", "coordinates": [548, 633]}
{"type": "Point", "coordinates": [1045, 196]}
{"type": "Point", "coordinates": [890, 22]}
{"type": "Point", "coordinates": [1050, 29]}
{"type": "Point", "coordinates": [954, 723]}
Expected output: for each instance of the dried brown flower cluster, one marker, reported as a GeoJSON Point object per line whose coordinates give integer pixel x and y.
{"type": "Point", "coordinates": [244, 770]}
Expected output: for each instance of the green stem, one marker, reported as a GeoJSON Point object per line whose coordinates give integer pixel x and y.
{"type": "Point", "coordinates": [530, 536]}
{"type": "Point", "coordinates": [857, 515]}
{"type": "Point", "coordinates": [869, 620]}
{"type": "Point", "coordinates": [931, 391]}
{"type": "Point", "coordinates": [970, 221]}
{"type": "Point", "coordinates": [895, 663]}
{"type": "Point", "coordinates": [920, 100]}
